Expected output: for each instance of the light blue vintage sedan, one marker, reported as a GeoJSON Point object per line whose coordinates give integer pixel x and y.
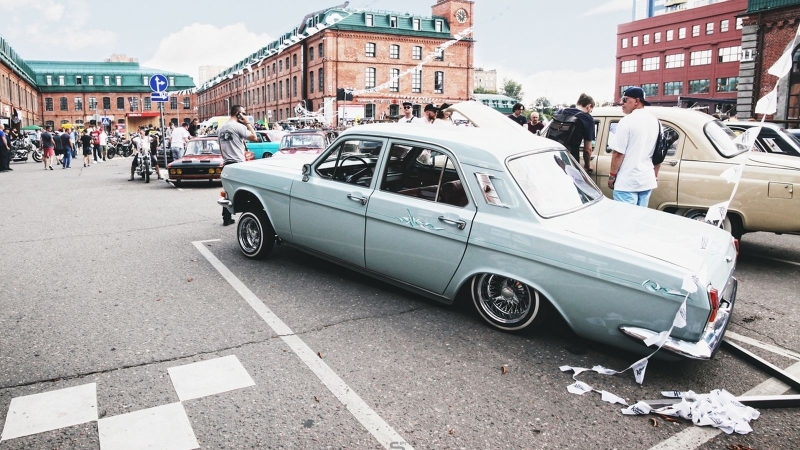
{"type": "Point", "coordinates": [499, 212]}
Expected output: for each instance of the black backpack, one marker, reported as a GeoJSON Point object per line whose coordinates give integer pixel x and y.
{"type": "Point", "coordinates": [563, 128]}
{"type": "Point", "coordinates": [663, 143]}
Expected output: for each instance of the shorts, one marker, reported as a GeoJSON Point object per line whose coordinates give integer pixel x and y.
{"type": "Point", "coordinates": [48, 152]}
{"type": "Point", "coordinates": [87, 151]}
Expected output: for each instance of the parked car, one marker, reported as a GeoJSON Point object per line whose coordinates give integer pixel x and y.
{"type": "Point", "coordinates": [771, 139]}
{"type": "Point", "coordinates": [201, 161]}
{"type": "Point", "coordinates": [689, 180]}
{"type": "Point", "coordinates": [304, 142]}
{"type": "Point", "coordinates": [268, 145]}
{"type": "Point", "coordinates": [438, 210]}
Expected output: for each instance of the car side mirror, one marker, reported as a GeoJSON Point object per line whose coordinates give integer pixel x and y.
{"type": "Point", "coordinates": [306, 171]}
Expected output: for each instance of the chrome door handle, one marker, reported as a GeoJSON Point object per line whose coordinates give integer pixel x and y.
{"type": "Point", "coordinates": [362, 200]}
{"type": "Point", "coordinates": [461, 224]}
{"type": "Point", "coordinates": [672, 162]}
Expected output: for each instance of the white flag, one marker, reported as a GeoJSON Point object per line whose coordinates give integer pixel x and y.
{"type": "Point", "coordinates": [638, 369]}
{"type": "Point", "coordinates": [658, 339]}
{"type": "Point", "coordinates": [716, 213]}
{"type": "Point", "coordinates": [733, 174]}
{"type": "Point", "coordinates": [578, 388]}
{"type": "Point", "coordinates": [768, 103]}
{"type": "Point", "coordinates": [748, 138]}
{"type": "Point", "coordinates": [689, 284]}
{"type": "Point", "coordinates": [639, 409]}
{"type": "Point", "coordinates": [612, 398]}
{"type": "Point", "coordinates": [680, 316]}
{"type": "Point", "coordinates": [783, 65]}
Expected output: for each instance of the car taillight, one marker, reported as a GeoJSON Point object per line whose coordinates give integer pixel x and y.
{"type": "Point", "coordinates": [713, 298]}
{"type": "Point", "coordinates": [223, 194]}
{"type": "Point", "coordinates": [736, 245]}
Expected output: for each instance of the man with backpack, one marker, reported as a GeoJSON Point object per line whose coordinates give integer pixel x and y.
{"type": "Point", "coordinates": [633, 174]}
{"type": "Point", "coordinates": [575, 126]}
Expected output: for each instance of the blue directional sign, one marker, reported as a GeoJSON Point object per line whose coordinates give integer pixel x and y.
{"type": "Point", "coordinates": [159, 96]}
{"type": "Point", "coordinates": [105, 121]}
{"type": "Point", "coordinates": [158, 83]}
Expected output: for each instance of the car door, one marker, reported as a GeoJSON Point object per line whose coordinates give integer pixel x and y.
{"type": "Point", "coordinates": [420, 217]}
{"type": "Point", "coordinates": [328, 207]}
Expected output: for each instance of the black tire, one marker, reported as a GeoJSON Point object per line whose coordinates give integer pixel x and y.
{"type": "Point", "coordinates": [266, 155]}
{"type": "Point", "coordinates": [37, 155]}
{"type": "Point", "coordinates": [255, 234]}
{"type": "Point", "coordinates": [176, 183]}
{"type": "Point", "coordinates": [111, 153]}
{"type": "Point", "coordinates": [146, 174]}
{"type": "Point", "coordinates": [731, 223]}
{"type": "Point", "coordinates": [506, 303]}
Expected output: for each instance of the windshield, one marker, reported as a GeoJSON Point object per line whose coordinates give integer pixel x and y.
{"type": "Point", "coordinates": [722, 138]}
{"type": "Point", "coordinates": [302, 140]}
{"type": "Point", "coordinates": [553, 182]}
{"type": "Point", "coordinates": [202, 147]}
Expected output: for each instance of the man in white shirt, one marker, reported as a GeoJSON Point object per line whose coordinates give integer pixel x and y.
{"type": "Point", "coordinates": [408, 114]}
{"type": "Point", "coordinates": [103, 142]}
{"type": "Point", "coordinates": [632, 175]}
{"type": "Point", "coordinates": [177, 141]}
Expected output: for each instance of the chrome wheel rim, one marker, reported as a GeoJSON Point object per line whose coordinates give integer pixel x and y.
{"type": "Point", "coordinates": [249, 234]}
{"type": "Point", "coordinates": [506, 300]}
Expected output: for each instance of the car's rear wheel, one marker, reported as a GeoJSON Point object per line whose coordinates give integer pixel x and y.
{"type": "Point", "coordinates": [255, 234]}
{"type": "Point", "coordinates": [729, 223]}
{"type": "Point", "coordinates": [266, 155]}
{"type": "Point", "coordinates": [506, 303]}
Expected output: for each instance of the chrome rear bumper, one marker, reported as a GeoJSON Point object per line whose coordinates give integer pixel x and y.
{"type": "Point", "coordinates": [711, 339]}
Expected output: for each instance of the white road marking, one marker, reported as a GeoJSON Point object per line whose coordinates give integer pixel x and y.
{"type": "Point", "coordinates": [763, 345]}
{"type": "Point", "coordinates": [205, 378]}
{"type": "Point", "coordinates": [160, 427]}
{"type": "Point", "coordinates": [376, 426]}
{"type": "Point", "coordinates": [49, 411]}
{"type": "Point", "coordinates": [773, 259]}
{"type": "Point", "coordinates": [696, 436]}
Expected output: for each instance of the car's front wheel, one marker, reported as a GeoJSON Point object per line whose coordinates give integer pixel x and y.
{"type": "Point", "coordinates": [255, 234]}
{"type": "Point", "coordinates": [506, 303]}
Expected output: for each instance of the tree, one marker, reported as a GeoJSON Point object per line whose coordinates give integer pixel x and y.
{"type": "Point", "coordinates": [482, 90]}
{"type": "Point", "coordinates": [512, 89]}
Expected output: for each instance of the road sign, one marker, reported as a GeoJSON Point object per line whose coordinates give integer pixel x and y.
{"type": "Point", "coordinates": [158, 83]}
{"type": "Point", "coordinates": [159, 97]}
{"type": "Point", "coordinates": [105, 121]}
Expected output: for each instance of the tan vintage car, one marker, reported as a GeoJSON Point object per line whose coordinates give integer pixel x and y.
{"type": "Point", "coordinates": [689, 181]}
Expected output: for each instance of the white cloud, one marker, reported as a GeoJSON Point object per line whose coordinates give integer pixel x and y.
{"type": "Point", "coordinates": [49, 10]}
{"type": "Point", "coordinates": [203, 44]}
{"type": "Point", "coordinates": [563, 86]}
{"type": "Point", "coordinates": [67, 39]}
{"type": "Point", "coordinates": [610, 6]}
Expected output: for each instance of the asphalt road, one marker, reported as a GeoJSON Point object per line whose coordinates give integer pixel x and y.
{"type": "Point", "coordinates": [103, 285]}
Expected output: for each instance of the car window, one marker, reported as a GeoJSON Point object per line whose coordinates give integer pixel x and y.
{"type": "Point", "coordinates": [303, 140]}
{"type": "Point", "coordinates": [673, 135]}
{"type": "Point", "coordinates": [202, 147]}
{"type": "Point", "coordinates": [552, 183]}
{"type": "Point", "coordinates": [352, 161]}
{"type": "Point", "coordinates": [721, 138]}
{"type": "Point", "coordinates": [596, 134]}
{"type": "Point", "coordinates": [424, 173]}
{"type": "Point", "coordinates": [612, 130]}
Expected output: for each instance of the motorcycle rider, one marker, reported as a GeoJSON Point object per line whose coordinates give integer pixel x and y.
{"type": "Point", "coordinates": [142, 142]}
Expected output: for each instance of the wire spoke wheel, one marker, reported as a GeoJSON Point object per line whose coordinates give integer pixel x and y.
{"type": "Point", "coordinates": [504, 302]}
{"type": "Point", "coordinates": [255, 234]}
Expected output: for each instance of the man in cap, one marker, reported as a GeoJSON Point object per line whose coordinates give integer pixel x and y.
{"type": "Point", "coordinates": [632, 175]}
{"type": "Point", "coordinates": [430, 113]}
{"type": "Point", "coordinates": [517, 115]}
{"type": "Point", "coordinates": [408, 114]}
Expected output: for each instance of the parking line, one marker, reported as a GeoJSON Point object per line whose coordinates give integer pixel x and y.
{"type": "Point", "coordinates": [696, 436]}
{"type": "Point", "coordinates": [763, 345]}
{"type": "Point", "coordinates": [376, 426]}
{"type": "Point", "coordinates": [773, 259]}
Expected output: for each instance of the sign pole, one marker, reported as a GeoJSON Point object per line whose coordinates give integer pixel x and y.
{"type": "Point", "coordinates": [163, 137]}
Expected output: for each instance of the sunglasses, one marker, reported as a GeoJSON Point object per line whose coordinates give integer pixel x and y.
{"type": "Point", "coordinates": [406, 107]}
{"type": "Point", "coordinates": [625, 99]}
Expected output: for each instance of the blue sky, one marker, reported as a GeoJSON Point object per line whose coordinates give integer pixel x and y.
{"type": "Point", "coordinates": [555, 49]}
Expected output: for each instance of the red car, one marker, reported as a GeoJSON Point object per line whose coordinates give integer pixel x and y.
{"type": "Point", "coordinates": [201, 161]}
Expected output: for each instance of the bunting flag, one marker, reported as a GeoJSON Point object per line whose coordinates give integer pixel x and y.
{"type": "Point", "coordinates": [733, 174]}
{"type": "Point", "coordinates": [716, 213]}
{"type": "Point", "coordinates": [768, 103]}
{"type": "Point", "coordinates": [784, 64]}
{"type": "Point", "coordinates": [748, 138]}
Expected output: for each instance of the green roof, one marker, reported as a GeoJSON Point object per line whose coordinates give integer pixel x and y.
{"type": "Point", "coordinates": [18, 65]}
{"type": "Point", "coordinates": [764, 5]}
{"type": "Point", "coordinates": [131, 72]}
{"type": "Point", "coordinates": [500, 102]}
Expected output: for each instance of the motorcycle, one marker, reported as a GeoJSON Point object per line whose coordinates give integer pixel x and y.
{"type": "Point", "coordinates": [144, 165]}
{"type": "Point", "coordinates": [118, 147]}
{"type": "Point", "coordinates": [21, 148]}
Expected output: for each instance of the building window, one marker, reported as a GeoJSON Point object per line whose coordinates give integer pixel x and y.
{"type": "Point", "coordinates": [321, 81]}
{"type": "Point", "coordinates": [394, 51]}
{"type": "Point", "coordinates": [311, 82]}
{"type": "Point", "coordinates": [147, 104]}
{"type": "Point", "coordinates": [710, 28]}
{"type": "Point", "coordinates": [49, 79]}
{"type": "Point", "coordinates": [439, 54]}
{"type": "Point", "coordinates": [394, 75]}
{"type": "Point", "coordinates": [106, 102]}
{"type": "Point", "coordinates": [78, 80]}
{"type": "Point", "coordinates": [369, 110]}
{"type": "Point", "coordinates": [294, 60]}
{"type": "Point", "coordinates": [91, 80]}
{"type": "Point", "coordinates": [121, 103]}
{"type": "Point", "coordinates": [416, 25]}
{"type": "Point", "coordinates": [78, 104]}
{"type": "Point", "coordinates": [393, 21]}
{"type": "Point", "coordinates": [394, 110]}
{"type": "Point", "coordinates": [187, 103]}
{"type": "Point", "coordinates": [698, 86]}
{"type": "Point", "coordinates": [119, 80]}
{"type": "Point", "coordinates": [311, 53]}
{"type": "Point", "coordinates": [416, 81]}
{"type": "Point", "coordinates": [628, 66]}
{"type": "Point", "coordinates": [319, 50]}
{"type": "Point", "coordinates": [294, 86]}
{"type": "Point", "coordinates": [646, 39]}
{"type": "Point", "coordinates": [280, 66]}
{"type": "Point", "coordinates": [649, 64]}
{"type": "Point", "coordinates": [106, 80]}
{"type": "Point", "coordinates": [673, 61]}
{"type": "Point", "coordinates": [650, 89]}
{"type": "Point", "coordinates": [656, 37]}
{"type": "Point", "coordinates": [48, 103]}
{"type": "Point", "coordinates": [61, 80]}
{"type": "Point", "coordinates": [50, 124]}
{"type": "Point", "coordinates": [92, 103]}
{"type": "Point", "coordinates": [624, 42]}
{"type": "Point", "coordinates": [438, 26]}
{"type": "Point", "coordinates": [635, 41]}
{"type": "Point", "coordinates": [670, 34]}
{"type": "Point", "coordinates": [700, 58]}
{"type": "Point", "coordinates": [438, 83]}
{"type": "Point", "coordinates": [145, 80]}
{"type": "Point", "coordinates": [682, 33]}
{"type": "Point", "coordinates": [369, 20]}
{"type": "Point", "coordinates": [695, 30]}
{"type": "Point", "coordinates": [369, 79]}
{"type": "Point", "coordinates": [723, 26]}
{"type": "Point", "coordinates": [173, 103]}
{"type": "Point", "coordinates": [280, 89]}
{"type": "Point", "coordinates": [729, 54]}
{"type": "Point", "coordinates": [369, 50]}
{"type": "Point", "coordinates": [673, 88]}
{"type": "Point", "coordinates": [63, 104]}
{"type": "Point", "coordinates": [416, 52]}
{"type": "Point", "coordinates": [739, 23]}
{"type": "Point", "coordinates": [730, 84]}
{"type": "Point", "coordinates": [171, 81]}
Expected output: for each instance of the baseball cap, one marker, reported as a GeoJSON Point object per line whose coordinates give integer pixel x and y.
{"type": "Point", "coordinates": [430, 107]}
{"type": "Point", "coordinates": [636, 92]}
{"type": "Point", "coordinates": [408, 104]}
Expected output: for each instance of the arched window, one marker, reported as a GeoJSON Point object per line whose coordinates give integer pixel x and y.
{"type": "Point", "coordinates": [793, 107]}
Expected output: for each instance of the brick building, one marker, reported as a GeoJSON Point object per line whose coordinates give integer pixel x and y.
{"type": "Point", "coordinates": [770, 28]}
{"type": "Point", "coordinates": [17, 87]}
{"type": "Point", "coordinates": [332, 52]}
{"type": "Point", "coordinates": [687, 58]}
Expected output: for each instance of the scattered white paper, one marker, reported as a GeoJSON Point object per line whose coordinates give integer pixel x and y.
{"type": "Point", "coordinates": [639, 409]}
{"type": "Point", "coordinates": [604, 371]}
{"type": "Point", "coordinates": [639, 368]}
{"type": "Point", "coordinates": [579, 388]}
{"type": "Point", "coordinates": [672, 394]}
{"type": "Point", "coordinates": [768, 104]}
{"type": "Point", "coordinates": [611, 398]}
{"type": "Point", "coordinates": [718, 409]}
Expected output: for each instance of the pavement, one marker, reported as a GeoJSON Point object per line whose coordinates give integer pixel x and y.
{"type": "Point", "coordinates": [111, 290]}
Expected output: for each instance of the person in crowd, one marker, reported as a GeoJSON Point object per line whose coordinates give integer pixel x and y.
{"type": "Point", "coordinates": [69, 150]}
{"type": "Point", "coordinates": [180, 136]}
{"type": "Point", "coordinates": [534, 124]}
{"type": "Point", "coordinates": [408, 114]}
{"type": "Point", "coordinates": [86, 144]}
{"type": "Point", "coordinates": [58, 149]}
{"type": "Point", "coordinates": [94, 133]}
{"type": "Point", "coordinates": [193, 127]}
{"type": "Point", "coordinates": [232, 147]}
{"type": "Point", "coordinates": [76, 140]}
{"type": "Point", "coordinates": [430, 112]}
{"type": "Point", "coordinates": [584, 131]}
{"type": "Point", "coordinates": [516, 114]}
{"type": "Point", "coordinates": [5, 154]}
{"type": "Point", "coordinates": [48, 144]}
{"type": "Point", "coordinates": [103, 142]}
{"type": "Point", "coordinates": [632, 175]}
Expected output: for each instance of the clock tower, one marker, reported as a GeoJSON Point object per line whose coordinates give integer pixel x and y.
{"type": "Point", "coordinates": [458, 14]}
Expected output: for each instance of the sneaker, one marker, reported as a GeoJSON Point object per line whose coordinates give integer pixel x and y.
{"type": "Point", "coordinates": [225, 223]}
{"type": "Point", "coordinates": [51, 167]}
